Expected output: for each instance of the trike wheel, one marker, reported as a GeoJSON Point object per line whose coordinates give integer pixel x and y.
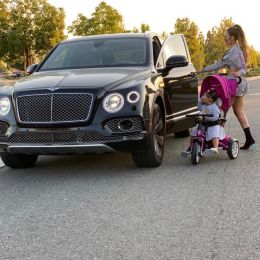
{"type": "Point", "coordinates": [195, 153]}
{"type": "Point", "coordinates": [233, 149]}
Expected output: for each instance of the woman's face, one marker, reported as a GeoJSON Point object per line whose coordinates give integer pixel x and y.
{"type": "Point", "coordinates": [229, 40]}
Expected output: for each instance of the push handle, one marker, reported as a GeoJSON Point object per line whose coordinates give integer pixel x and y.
{"type": "Point", "coordinates": [204, 115]}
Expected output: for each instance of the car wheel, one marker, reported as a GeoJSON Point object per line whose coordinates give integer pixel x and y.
{"type": "Point", "coordinates": [233, 149]}
{"type": "Point", "coordinates": [184, 133]}
{"type": "Point", "coordinates": [195, 153]}
{"type": "Point", "coordinates": [152, 155]}
{"type": "Point", "coordinates": [18, 160]}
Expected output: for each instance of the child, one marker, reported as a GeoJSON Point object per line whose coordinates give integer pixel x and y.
{"type": "Point", "coordinates": [207, 105]}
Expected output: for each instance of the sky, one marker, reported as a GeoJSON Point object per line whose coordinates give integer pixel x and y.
{"type": "Point", "coordinates": [162, 14]}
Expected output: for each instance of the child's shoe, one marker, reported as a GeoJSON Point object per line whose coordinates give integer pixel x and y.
{"type": "Point", "coordinates": [214, 150]}
{"type": "Point", "coordinates": [186, 153]}
{"type": "Point", "coordinates": [211, 151]}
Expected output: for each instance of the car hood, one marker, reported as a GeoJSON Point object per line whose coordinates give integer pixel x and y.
{"type": "Point", "coordinates": [106, 78]}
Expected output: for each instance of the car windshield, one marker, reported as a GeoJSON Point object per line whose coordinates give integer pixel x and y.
{"type": "Point", "coordinates": [95, 53]}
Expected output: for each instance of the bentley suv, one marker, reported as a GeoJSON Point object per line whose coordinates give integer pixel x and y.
{"type": "Point", "coordinates": [105, 93]}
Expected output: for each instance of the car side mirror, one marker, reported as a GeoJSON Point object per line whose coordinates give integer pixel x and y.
{"type": "Point", "coordinates": [176, 61]}
{"type": "Point", "coordinates": [31, 69]}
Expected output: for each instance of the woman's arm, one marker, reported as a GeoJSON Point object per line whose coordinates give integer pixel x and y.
{"type": "Point", "coordinates": [216, 66]}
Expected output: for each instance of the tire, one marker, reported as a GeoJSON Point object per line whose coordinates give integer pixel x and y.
{"type": "Point", "coordinates": [195, 153]}
{"type": "Point", "coordinates": [152, 155]}
{"type": "Point", "coordinates": [184, 133]}
{"type": "Point", "coordinates": [18, 160]}
{"type": "Point", "coordinates": [233, 149]}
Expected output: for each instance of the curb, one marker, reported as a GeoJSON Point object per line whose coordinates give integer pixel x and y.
{"type": "Point", "coordinates": [253, 78]}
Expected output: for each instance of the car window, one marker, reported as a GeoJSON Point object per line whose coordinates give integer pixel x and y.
{"type": "Point", "coordinates": [98, 53]}
{"type": "Point", "coordinates": [174, 45]}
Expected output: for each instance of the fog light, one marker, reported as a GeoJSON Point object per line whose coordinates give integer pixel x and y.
{"type": "Point", "coordinates": [125, 125]}
{"type": "Point", "coordinates": [133, 97]}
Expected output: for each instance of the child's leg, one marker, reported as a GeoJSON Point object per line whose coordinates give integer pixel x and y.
{"type": "Point", "coordinates": [214, 142]}
{"type": "Point", "coordinates": [192, 139]}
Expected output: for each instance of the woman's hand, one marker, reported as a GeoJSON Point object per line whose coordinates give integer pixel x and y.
{"type": "Point", "coordinates": [235, 73]}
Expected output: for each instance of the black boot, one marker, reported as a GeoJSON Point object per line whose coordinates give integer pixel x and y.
{"type": "Point", "coordinates": [249, 139]}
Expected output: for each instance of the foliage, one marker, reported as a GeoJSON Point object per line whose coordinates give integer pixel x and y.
{"type": "Point", "coordinates": [145, 28]}
{"type": "Point", "coordinates": [252, 57]}
{"type": "Point", "coordinates": [104, 20]}
{"type": "Point", "coordinates": [194, 38]}
{"type": "Point", "coordinates": [254, 72]}
{"type": "Point", "coordinates": [135, 30]}
{"type": "Point", "coordinates": [4, 21]}
{"type": "Point", "coordinates": [215, 46]}
{"type": "Point", "coordinates": [163, 36]}
{"type": "Point", "coordinates": [34, 27]}
{"type": "Point", "coordinates": [258, 58]}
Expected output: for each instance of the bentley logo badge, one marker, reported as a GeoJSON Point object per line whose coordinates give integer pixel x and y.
{"type": "Point", "coordinates": [53, 89]}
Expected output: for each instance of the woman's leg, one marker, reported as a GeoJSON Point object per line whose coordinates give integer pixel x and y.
{"type": "Point", "coordinates": [239, 111]}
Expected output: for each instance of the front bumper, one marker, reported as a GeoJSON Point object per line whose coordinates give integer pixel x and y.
{"type": "Point", "coordinates": [70, 142]}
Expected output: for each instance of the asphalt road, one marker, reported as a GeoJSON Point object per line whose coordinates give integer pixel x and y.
{"type": "Point", "coordinates": [102, 207]}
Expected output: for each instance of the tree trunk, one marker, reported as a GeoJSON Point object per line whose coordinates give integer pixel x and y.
{"type": "Point", "coordinates": [24, 63]}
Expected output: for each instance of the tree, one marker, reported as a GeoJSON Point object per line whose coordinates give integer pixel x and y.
{"type": "Point", "coordinates": [164, 36]}
{"type": "Point", "coordinates": [194, 38]}
{"type": "Point", "coordinates": [252, 57]}
{"type": "Point", "coordinates": [34, 27]}
{"type": "Point", "coordinates": [135, 30]}
{"type": "Point", "coordinates": [145, 27]}
{"type": "Point", "coordinates": [215, 46]}
{"type": "Point", "coordinates": [104, 20]}
{"type": "Point", "coordinates": [4, 24]}
{"type": "Point", "coordinates": [258, 58]}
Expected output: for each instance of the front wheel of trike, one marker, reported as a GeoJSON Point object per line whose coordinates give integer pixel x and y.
{"type": "Point", "coordinates": [195, 153]}
{"type": "Point", "coordinates": [233, 149]}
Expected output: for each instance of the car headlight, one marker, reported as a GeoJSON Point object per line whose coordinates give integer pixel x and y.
{"type": "Point", "coordinates": [113, 102]}
{"type": "Point", "coordinates": [4, 106]}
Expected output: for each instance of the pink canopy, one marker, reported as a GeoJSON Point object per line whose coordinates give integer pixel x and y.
{"type": "Point", "coordinates": [222, 87]}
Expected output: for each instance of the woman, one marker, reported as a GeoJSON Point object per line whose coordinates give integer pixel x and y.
{"type": "Point", "coordinates": [235, 59]}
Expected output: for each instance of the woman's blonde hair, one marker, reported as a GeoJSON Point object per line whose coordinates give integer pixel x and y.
{"type": "Point", "coordinates": [237, 32]}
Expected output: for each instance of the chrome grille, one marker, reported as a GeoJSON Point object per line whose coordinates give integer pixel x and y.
{"type": "Point", "coordinates": [54, 108]}
{"type": "Point", "coordinates": [3, 127]}
{"type": "Point", "coordinates": [65, 137]}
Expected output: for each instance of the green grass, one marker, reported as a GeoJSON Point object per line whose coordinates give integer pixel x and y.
{"type": "Point", "coordinates": [254, 72]}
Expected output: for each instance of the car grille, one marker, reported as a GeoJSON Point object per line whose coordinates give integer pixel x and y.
{"type": "Point", "coordinates": [114, 123]}
{"type": "Point", "coordinates": [54, 108]}
{"type": "Point", "coordinates": [3, 127]}
{"type": "Point", "coordinates": [65, 137]}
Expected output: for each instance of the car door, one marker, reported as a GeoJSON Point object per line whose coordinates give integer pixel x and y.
{"type": "Point", "coordinates": [181, 87]}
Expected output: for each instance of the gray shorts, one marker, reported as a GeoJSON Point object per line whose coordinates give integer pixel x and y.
{"type": "Point", "coordinates": [242, 88]}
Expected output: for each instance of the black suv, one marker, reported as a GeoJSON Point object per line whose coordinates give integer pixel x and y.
{"type": "Point", "coordinates": [105, 93]}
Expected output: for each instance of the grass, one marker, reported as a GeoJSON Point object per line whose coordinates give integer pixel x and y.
{"type": "Point", "coordinates": [254, 72]}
